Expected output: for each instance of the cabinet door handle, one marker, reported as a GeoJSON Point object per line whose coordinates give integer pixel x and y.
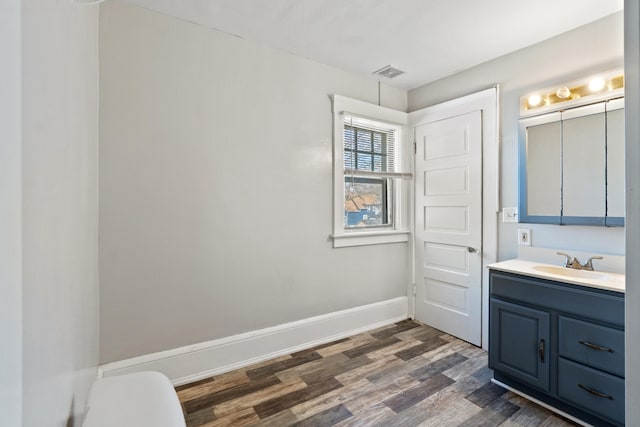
{"type": "Point", "coordinates": [595, 393]}
{"type": "Point", "coordinates": [595, 347]}
{"type": "Point", "coordinates": [541, 350]}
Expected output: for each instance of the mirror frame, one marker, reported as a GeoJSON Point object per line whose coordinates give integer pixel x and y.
{"type": "Point", "coordinates": [560, 219]}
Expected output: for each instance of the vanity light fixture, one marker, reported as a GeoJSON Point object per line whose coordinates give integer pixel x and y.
{"type": "Point", "coordinates": [592, 89]}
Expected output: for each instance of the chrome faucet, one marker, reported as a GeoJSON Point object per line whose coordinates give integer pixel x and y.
{"type": "Point", "coordinates": [589, 265]}
{"type": "Point", "coordinates": [572, 262]}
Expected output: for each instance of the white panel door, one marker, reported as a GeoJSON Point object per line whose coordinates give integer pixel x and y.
{"type": "Point", "coordinates": [449, 225]}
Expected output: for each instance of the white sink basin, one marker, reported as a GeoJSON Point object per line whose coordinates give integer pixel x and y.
{"type": "Point", "coordinates": [570, 272]}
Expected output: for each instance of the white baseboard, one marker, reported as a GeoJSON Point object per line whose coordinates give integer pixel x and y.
{"type": "Point", "coordinates": [195, 362]}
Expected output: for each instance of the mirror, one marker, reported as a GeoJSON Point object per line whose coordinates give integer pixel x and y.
{"type": "Point", "coordinates": [615, 162]}
{"type": "Point", "coordinates": [542, 168]}
{"type": "Point", "coordinates": [572, 166]}
{"type": "Point", "coordinates": [583, 164]}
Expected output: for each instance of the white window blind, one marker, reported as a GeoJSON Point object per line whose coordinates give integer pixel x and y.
{"type": "Point", "coordinates": [370, 148]}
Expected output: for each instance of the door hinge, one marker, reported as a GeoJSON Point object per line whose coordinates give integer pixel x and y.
{"type": "Point", "coordinates": [415, 147]}
{"type": "Point", "coordinates": [415, 290]}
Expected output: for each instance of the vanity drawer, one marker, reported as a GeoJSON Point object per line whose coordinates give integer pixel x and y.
{"type": "Point", "coordinates": [594, 345]}
{"type": "Point", "coordinates": [594, 391]}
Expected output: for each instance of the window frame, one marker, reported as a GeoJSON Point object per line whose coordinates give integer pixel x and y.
{"type": "Point", "coordinates": [397, 231]}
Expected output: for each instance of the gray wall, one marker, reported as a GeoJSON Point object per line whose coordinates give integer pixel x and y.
{"type": "Point", "coordinates": [632, 296]}
{"type": "Point", "coordinates": [59, 209]}
{"type": "Point", "coordinates": [216, 187]}
{"type": "Point", "coordinates": [589, 49]}
{"type": "Point", "coordinates": [10, 217]}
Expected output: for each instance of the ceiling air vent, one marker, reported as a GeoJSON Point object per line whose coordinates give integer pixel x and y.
{"type": "Point", "coordinates": [389, 72]}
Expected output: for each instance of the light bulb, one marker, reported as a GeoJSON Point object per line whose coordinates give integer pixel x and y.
{"type": "Point", "coordinates": [563, 92]}
{"type": "Point", "coordinates": [596, 84]}
{"type": "Point", "coordinates": [534, 100]}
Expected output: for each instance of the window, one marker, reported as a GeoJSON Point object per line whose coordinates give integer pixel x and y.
{"type": "Point", "coordinates": [368, 183]}
{"type": "Point", "coordinates": [368, 147]}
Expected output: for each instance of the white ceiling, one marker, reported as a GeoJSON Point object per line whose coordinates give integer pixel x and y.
{"type": "Point", "coordinates": [428, 39]}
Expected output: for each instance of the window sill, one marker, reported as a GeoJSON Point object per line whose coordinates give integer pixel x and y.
{"type": "Point", "coordinates": [363, 238]}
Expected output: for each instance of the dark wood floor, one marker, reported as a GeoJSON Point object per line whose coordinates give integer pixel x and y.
{"type": "Point", "coordinates": [406, 374]}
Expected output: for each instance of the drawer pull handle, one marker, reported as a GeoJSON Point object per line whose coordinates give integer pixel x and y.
{"type": "Point", "coordinates": [541, 350]}
{"type": "Point", "coordinates": [595, 393]}
{"type": "Point", "coordinates": [595, 347]}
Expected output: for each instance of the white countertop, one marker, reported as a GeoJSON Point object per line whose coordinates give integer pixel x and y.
{"type": "Point", "coordinates": [593, 279]}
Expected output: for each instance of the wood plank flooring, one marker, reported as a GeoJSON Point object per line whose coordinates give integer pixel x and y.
{"type": "Point", "coordinates": [406, 374]}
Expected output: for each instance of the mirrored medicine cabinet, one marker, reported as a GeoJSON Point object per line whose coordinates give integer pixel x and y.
{"type": "Point", "coordinates": [571, 165]}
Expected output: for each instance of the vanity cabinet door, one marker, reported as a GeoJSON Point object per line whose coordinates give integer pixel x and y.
{"type": "Point", "coordinates": [519, 340]}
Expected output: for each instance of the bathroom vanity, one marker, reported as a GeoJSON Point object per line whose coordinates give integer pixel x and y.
{"type": "Point", "coordinates": [556, 335]}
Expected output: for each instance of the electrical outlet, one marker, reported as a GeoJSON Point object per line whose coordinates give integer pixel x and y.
{"type": "Point", "coordinates": [524, 236]}
{"type": "Point", "coordinates": [509, 214]}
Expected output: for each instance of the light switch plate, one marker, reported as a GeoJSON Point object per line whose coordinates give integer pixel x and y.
{"type": "Point", "coordinates": [524, 236]}
{"type": "Point", "coordinates": [509, 214]}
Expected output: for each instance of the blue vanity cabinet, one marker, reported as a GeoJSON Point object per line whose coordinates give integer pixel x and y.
{"type": "Point", "coordinates": [559, 343]}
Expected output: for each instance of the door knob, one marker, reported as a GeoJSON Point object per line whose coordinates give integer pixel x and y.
{"type": "Point", "coordinates": [471, 250]}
